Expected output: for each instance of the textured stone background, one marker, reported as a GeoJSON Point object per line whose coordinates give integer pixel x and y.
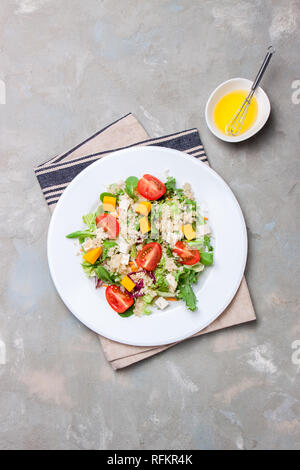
{"type": "Point", "coordinates": [71, 67]}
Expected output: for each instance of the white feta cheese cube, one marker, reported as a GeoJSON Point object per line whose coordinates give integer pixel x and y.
{"type": "Point", "coordinates": [161, 303]}
{"type": "Point", "coordinates": [123, 214]}
{"type": "Point", "coordinates": [124, 202]}
{"type": "Point", "coordinates": [172, 282]}
{"type": "Point", "coordinates": [125, 259]}
{"type": "Point", "coordinates": [124, 247]}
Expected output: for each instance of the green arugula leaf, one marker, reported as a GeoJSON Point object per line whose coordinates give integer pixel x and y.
{"type": "Point", "coordinates": [105, 276]}
{"type": "Point", "coordinates": [171, 190]}
{"type": "Point", "coordinates": [83, 234]}
{"type": "Point", "coordinates": [170, 185]}
{"type": "Point", "coordinates": [169, 252]}
{"type": "Point", "coordinates": [191, 203]}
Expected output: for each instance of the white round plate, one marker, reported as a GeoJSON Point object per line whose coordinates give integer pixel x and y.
{"type": "Point", "coordinates": [216, 286]}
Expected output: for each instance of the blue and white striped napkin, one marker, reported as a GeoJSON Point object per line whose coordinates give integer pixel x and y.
{"type": "Point", "coordinates": [55, 175]}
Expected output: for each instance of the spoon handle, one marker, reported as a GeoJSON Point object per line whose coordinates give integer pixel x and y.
{"type": "Point", "coordinates": [263, 67]}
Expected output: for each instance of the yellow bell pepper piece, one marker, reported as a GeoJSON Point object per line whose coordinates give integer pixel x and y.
{"type": "Point", "coordinates": [92, 255]}
{"type": "Point", "coordinates": [128, 283]}
{"type": "Point", "coordinates": [145, 225]}
{"type": "Point", "coordinates": [144, 207]}
{"type": "Point", "coordinates": [189, 232]}
{"type": "Point", "coordinates": [109, 203]}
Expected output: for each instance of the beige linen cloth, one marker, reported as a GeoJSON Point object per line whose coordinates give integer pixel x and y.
{"type": "Point", "coordinates": [56, 174]}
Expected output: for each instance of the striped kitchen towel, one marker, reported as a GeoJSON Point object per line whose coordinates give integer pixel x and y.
{"type": "Point", "coordinates": [55, 175]}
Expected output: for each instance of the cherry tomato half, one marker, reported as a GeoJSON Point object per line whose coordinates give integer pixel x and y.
{"type": "Point", "coordinates": [149, 256]}
{"type": "Point", "coordinates": [109, 224]}
{"type": "Point", "coordinates": [118, 300]}
{"type": "Point", "coordinates": [187, 256]}
{"type": "Point", "coordinates": [151, 188]}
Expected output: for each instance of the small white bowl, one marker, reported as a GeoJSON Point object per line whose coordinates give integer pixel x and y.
{"type": "Point", "coordinates": [263, 111]}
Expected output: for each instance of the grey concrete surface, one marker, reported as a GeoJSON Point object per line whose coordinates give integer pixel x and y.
{"type": "Point", "coordinates": [70, 67]}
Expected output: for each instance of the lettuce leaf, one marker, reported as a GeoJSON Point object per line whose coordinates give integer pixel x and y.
{"type": "Point", "coordinates": [107, 244]}
{"type": "Point", "coordinates": [197, 244]}
{"type": "Point", "coordinates": [90, 220]}
{"type": "Point", "coordinates": [146, 310]}
{"type": "Point", "coordinates": [207, 258]}
{"type": "Point", "coordinates": [148, 298]}
{"type": "Point", "coordinates": [88, 268]}
{"type": "Point", "coordinates": [187, 294]}
{"type": "Point", "coordinates": [197, 268]}
{"type": "Point", "coordinates": [133, 252]}
{"type": "Point", "coordinates": [160, 276]}
{"type": "Point", "coordinates": [186, 277]}
{"type": "Point", "coordinates": [207, 243]}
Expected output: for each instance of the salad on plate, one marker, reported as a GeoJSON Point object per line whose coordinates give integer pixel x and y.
{"type": "Point", "coordinates": [146, 244]}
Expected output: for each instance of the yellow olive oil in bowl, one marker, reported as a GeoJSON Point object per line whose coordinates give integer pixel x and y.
{"type": "Point", "coordinates": [228, 105]}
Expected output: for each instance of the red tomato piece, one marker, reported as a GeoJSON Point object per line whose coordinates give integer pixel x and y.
{"type": "Point", "coordinates": [109, 224]}
{"type": "Point", "coordinates": [187, 256]}
{"type": "Point", "coordinates": [151, 188]}
{"type": "Point", "coordinates": [149, 256]}
{"type": "Point", "coordinates": [118, 300]}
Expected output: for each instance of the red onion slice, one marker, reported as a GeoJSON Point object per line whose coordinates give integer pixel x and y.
{"type": "Point", "coordinates": [98, 282]}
